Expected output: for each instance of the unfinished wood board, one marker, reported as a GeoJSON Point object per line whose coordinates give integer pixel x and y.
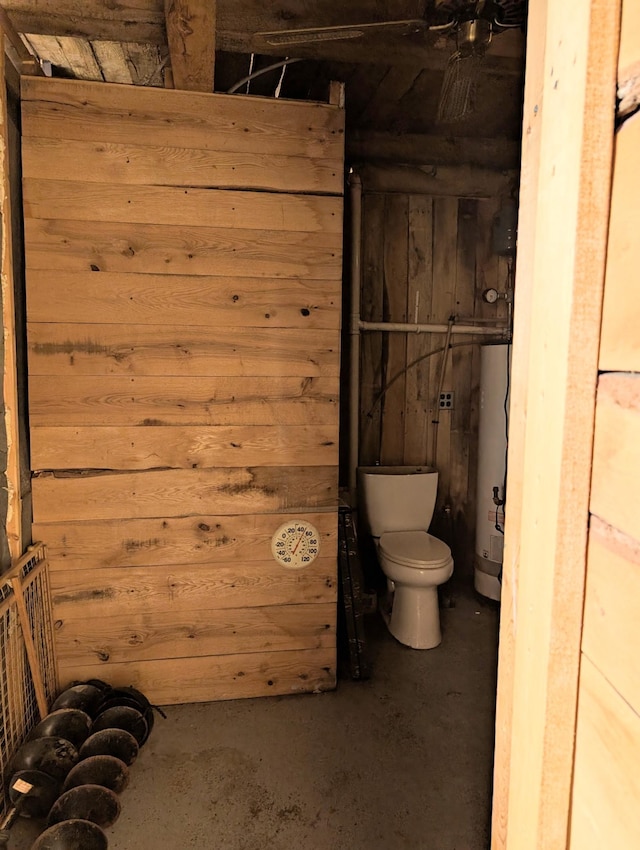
{"type": "Point", "coordinates": [141, 204]}
{"type": "Point", "coordinates": [414, 148]}
{"type": "Point", "coordinates": [162, 165]}
{"type": "Point", "coordinates": [128, 349]}
{"type": "Point", "coordinates": [194, 300]}
{"type": "Point", "coordinates": [445, 248]}
{"type": "Point", "coordinates": [175, 492]}
{"type": "Point", "coordinates": [114, 247]}
{"type": "Point", "coordinates": [607, 782]}
{"type": "Point", "coordinates": [615, 497]}
{"type": "Point", "coordinates": [459, 181]}
{"type": "Point", "coordinates": [204, 539]}
{"type": "Point", "coordinates": [146, 63]}
{"type": "Point", "coordinates": [168, 681]}
{"type": "Point", "coordinates": [13, 519]}
{"type": "Point", "coordinates": [620, 343]}
{"type": "Point", "coordinates": [610, 637]}
{"type": "Point", "coordinates": [182, 401]}
{"type": "Point", "coordinates": [48, 48]}
{"type": "Point", "coordinates": [197, 300]}
{"type": "Point", "coordinates": [395, 248]}
{"type": "Point", "coordinates": [184, 588]}
{"type": "Point", "coordinates": [91, 19]}
{"type": "Point", "coordinates": [371, 343]}
{"type": "Point", "coordinates": [181, 447]}
{"type": "Point", "coordinates": [533, 145]}
{"type": "Point", "coordinates": [462, 484]}
{"type": "Point", "coordinates": [80, 59]}
{"type": "Point", "coordinates": [229, 631]}
{"type": "Point", "coordinates": [74, 56]}
{"type": "Point", "coordinates": [572, 60]}
{"type": "Point", "coordinates": [419, 289]}
{"type": "Point", "coordinates": [113, 64]}
{"type": "Point", "coordinates": [191, 34]}
{"type": "Point", "coordinates": [73, 110]}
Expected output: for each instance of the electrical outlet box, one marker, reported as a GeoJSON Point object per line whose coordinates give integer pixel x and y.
{"type": "Point", "coordinates": [446, 400]}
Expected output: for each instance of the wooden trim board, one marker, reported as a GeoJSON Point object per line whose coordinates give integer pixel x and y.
{"type": "Point", "coordinates": [570, 106]}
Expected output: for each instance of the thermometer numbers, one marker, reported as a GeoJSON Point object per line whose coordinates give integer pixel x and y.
{"type": "Point", "coordinates": [295, 544]}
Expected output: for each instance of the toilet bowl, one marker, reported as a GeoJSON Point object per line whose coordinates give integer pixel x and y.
{"type": "Point", "coordinates": [416, 563]}
{"type": "Point", "coordinates": [398, 506]}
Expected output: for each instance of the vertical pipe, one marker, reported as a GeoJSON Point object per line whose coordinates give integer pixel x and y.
{"type": "Point", "coordinates": [355, 187]}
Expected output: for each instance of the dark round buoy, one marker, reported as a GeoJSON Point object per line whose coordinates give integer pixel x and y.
{"type": "Point", "coordinates": [98, 683]}
{"type": "Point", "coordinates": [129, 693]}
{"type": "Point", "coordinates": [72, 724]}
{"type": "Point", "coordinates": [111, 742]}
{"type": "Point", "coordinates": [115, 699]}
{"type": "Point", "coordinates": [122, 717]}
{"type": "Point", "coordinates": [108, 771]}
{"type": "Point", "coordinates": [86, 802]}
{"type": "Point", "coordinates": [72, 835]}
{"type": "Point", "coordinates": [51, 755]}
{"type": "Point", "coordinates": [33, 792]}
{"type": "Point", "coordinates": [85, 697]}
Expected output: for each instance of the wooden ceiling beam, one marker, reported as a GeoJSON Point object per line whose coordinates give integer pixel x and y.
{"type": "Point", "coordinates": [238, 21]}
{"type": "Point", "coordinates": [128, 20]}
{"type": "Point", "coordinates": [495, 154]}
{"type": "Point", "coordinates": [25, 63]}
{"type": "Point", "coordinates": [191, 35]}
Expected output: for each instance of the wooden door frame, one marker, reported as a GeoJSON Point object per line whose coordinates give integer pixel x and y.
{"type": "Point", "coordinates": [568, 133]}
{"type": "Point", "coordinates": [13, 520]}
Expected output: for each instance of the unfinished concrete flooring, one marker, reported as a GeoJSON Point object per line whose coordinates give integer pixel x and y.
{"type": "Point", "coordinates": [401, 761]}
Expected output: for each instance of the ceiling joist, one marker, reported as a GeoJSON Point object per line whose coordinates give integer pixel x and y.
{"type": "Point", "coordinates": [239, 21]}
{"type": "Point", "coordinates": [191, 35]}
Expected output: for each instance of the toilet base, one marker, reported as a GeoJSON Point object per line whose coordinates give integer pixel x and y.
{"type": "Point", "coordinates": [415, 617]}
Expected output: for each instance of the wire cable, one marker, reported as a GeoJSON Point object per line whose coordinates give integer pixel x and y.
{"type": "Point", "coordinates": [234, 88]}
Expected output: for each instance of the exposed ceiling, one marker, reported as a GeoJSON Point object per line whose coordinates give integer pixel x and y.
{"type": "Point", "coordinates": [392, 81]}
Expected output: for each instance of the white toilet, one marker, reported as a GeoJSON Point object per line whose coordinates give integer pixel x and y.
{"type": "Point", "coordinates": [398, 505]}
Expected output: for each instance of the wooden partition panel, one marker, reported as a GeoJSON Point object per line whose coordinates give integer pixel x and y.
{"type": "Point", "coordinates": [183, 279]}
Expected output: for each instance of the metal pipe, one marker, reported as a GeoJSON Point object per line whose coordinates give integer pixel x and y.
{"type": "Point", "coordinates": [355, 190]}
{"type": "Point", "coordinates": [403, 327]}
{"type": "Point", "coordinates": [471, 320]}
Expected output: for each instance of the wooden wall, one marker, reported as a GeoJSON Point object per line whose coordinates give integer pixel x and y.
{"type": "Point", "coordinates": [183, 258]}
{"type": "Point", "coordinates": [425, 258]}
{"type": "Point", "coordinates": [606, 787]}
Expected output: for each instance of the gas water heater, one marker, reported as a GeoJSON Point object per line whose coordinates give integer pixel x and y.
{"type": "Point", "coordinates": [492, 455]}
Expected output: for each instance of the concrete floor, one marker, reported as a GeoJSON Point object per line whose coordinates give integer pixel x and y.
{"type": "Point", "coordinates": [401, 761]}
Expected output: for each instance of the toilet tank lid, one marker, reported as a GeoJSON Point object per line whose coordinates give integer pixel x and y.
{"type": "Point", "coordinates": [414, 549]}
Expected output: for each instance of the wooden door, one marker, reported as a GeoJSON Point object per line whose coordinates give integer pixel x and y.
{"type": "Point", "coordinates": [568, 726]}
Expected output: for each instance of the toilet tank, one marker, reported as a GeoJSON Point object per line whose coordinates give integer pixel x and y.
{"type": "Point", "coordinates": [398, 498]}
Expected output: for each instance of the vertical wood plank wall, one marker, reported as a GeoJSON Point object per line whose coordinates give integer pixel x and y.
{"type": "Point", "coordinates": [184, 267]}
{"type": "Point", "coordinates": [424, 259]}
{"type": "Point", "coordinates": [606, 786]}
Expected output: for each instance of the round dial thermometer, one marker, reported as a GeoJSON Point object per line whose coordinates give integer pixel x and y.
{"type": "Point", "coordinates": [295, 544]}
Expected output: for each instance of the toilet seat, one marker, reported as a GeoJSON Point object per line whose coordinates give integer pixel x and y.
{"type": "Point", "coordinates": [415, 549]}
